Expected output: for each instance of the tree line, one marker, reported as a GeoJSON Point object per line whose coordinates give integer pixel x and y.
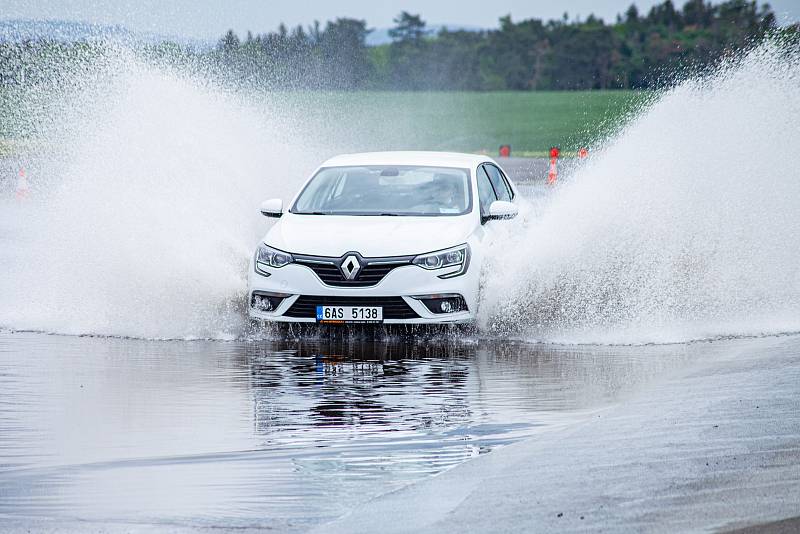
{"type": "Point", "coordinates": [637, 50]}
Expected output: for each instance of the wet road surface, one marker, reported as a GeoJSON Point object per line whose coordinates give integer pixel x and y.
{"type": "Point", "coordinates": [711, 447]}
{"type": "Point", "coordinates": [112, 433]}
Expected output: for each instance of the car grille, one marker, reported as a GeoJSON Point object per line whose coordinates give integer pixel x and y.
{"type": "Point", "coordinates": [373, 270]}
{"type": "Point", "coordinates": [393, 307]}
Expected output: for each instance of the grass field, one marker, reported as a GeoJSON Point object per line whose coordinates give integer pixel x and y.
{"type": "Point", "coordinates": [530, 122]}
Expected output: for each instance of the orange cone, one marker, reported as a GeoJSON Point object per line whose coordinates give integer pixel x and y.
{"type": "Point", "coordinates": [583, 153]}
{"type": "Point", "coordinates": [22, 185]}
{"type": "Point", "coordinates": [552, 175]}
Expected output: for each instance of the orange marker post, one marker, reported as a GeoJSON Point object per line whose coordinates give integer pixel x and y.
{"type": "Point", "coordinates": [22, 185]}
{"type": "Point", "coordinates": [552, 175]}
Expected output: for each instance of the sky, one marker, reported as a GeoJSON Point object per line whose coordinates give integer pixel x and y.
{"type": "Point", "coordinates": [207, 19]}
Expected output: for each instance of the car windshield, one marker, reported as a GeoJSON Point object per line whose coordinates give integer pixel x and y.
{"type": "Point", "coordinates": [386, 190]}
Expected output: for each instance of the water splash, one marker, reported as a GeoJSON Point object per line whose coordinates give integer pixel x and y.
{"type": "Point", "coordinates": [146, 207]}
{"type": "Point", "coordinates": [144, 214]}
{"type": "Point", "coordinates": [686, 226]}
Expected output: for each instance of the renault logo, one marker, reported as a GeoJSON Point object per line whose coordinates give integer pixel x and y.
{"type": "Point", "coordinates": [350, 267]}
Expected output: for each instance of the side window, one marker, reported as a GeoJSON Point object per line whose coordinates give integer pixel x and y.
{"type": "Point", "coordinates": [508, 185]}
{"type": "Point", "coordinates": [485, 191]}
{"type": "Point", "coordinates": [499, 183]}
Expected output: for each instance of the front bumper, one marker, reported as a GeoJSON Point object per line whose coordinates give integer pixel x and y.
{"type": "Point", "coordinates": [395, 292]}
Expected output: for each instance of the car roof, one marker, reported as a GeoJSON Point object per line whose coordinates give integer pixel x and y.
{"type": "Point", "coordinates": [432, 159]}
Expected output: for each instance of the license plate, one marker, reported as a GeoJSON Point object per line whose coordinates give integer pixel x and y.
{"type": "Point", "coordinates": [349, 314]}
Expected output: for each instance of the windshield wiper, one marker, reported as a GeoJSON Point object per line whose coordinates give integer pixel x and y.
{"type": "Point", "coordinates": [368, 214]}
{"type": "Point", "coordinates": [373, 214]}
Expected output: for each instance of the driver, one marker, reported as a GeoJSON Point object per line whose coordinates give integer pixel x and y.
{"type": "Point", "coordinates": [445, 195]}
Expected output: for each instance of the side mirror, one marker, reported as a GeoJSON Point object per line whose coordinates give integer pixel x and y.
{"type": "Point", "coordinates": [272, 208]}
{"type": "Point", "coordinates": [500, 209]}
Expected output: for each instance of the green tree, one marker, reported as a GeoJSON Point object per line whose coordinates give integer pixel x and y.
{"type": "Point", "coordinates": [343, 52]}
{"type": "Point", "coordinates": [514, 56]}
{"type": "Point", "coordinates": [230, 42]}
{"type": "Point", "coordinates": [408, 28]}
{"type": "Point", "coordinates": [408, 53]}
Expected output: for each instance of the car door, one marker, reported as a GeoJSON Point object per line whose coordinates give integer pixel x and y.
{"type": "Point", "coordinates": [490, 233]}
{"type": "Point", "coordinates": [493, 185]}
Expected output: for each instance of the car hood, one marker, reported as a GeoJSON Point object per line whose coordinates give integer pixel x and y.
{"type": "Point", "coordinates": [334, 235]}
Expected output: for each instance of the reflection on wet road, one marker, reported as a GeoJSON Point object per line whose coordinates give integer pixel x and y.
{"type": "Point", "coordinates": [282, 434]}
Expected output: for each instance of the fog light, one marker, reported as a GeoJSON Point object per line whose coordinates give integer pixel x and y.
{"type": "Point", "coordinates": [447, 303]}
{"type": "Point", "coordinates": [266, 302]}
{"type": "Point", "coordinates": [262, 303]}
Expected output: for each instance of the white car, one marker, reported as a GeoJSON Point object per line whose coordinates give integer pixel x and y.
{"type": "Point", "coordinates": [382, 237]}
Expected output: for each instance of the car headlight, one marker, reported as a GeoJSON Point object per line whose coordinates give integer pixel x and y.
{"type": "Point", "coordinates": [270, 257]}
{"type": "Point", "coordinates": [441, 259]}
